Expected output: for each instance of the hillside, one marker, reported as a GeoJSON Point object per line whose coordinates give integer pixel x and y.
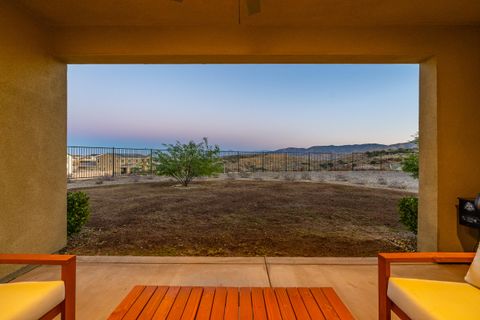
{"type": "Point", "coordinates": [349, 148]}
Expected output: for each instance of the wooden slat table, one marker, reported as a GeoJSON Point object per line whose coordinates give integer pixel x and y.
{"type": "Point", "coordinates": [157, 302]}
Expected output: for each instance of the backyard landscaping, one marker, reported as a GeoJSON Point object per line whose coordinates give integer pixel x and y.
{"type": "Point", "coordinates": [242, 218]}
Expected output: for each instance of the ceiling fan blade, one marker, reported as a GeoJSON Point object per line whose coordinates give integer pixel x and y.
{"type": "Point", "coordinates": [253, 6]}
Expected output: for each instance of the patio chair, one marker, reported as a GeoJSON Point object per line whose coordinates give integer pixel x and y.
{"type": "Point", "coordinates": [418, 299]}
{"type": "Point", "coordinates": [43, 299]}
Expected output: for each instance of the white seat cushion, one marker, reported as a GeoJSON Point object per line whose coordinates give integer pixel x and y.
{"type": "Point", "coordinates": [428, 299]}
{"type": "Point", "coordinates": [29, 300]}
{"type": "Point", "coordinates": [473, 274]}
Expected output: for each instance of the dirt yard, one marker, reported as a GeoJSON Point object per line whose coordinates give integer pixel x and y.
{"type": "Point", "coordinates": [242, 218]}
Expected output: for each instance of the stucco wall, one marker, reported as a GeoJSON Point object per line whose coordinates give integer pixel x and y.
{"type": "Point", "coordinates": [458, 134]}
{"type": "Point", "coordinates": [32, 139]}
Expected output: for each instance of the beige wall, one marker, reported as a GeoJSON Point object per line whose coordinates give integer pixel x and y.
{"type": "Point", "coordinates": [33, 106]}
{"type": "Point", "coordinates": [458, 137]}
{"type": "Point", "coordinates": [32, 139]}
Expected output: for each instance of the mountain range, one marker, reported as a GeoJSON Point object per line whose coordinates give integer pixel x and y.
{"type": "Point", "coordinates": [349, 148]}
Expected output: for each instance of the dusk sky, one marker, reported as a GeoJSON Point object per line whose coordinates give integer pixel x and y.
{"type": "Point", "coordinates": [241, 107]}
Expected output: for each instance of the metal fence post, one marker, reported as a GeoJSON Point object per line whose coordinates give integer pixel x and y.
{"type": "Point", "coordinates": [254, 162]}
{"type": "Point", "coordinates": [309, 169]}
{"type": "Point", "coordinates": [151, 162]}
{"type": "Point", "coordinates": [286, 161]}
{"type": "Point", "coordinates": [113, 161]}
{"type": "Point", "coordinates": [263, 161]}
{"type": "Point", "coordinates": [238, 161]}
{"type": "Point", "coordinates": [353, 162]}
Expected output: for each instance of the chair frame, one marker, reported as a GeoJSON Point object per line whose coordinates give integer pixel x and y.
{"type": "Point", "coordinates": [68, 263]}
{"type": "Point", "coordinates": [385, 305]}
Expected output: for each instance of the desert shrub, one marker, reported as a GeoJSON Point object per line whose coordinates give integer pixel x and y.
{"type": "Point", "coordinates": [78, 211]}
{"type": "Point", "coordinates": [408, 210]}
{"type": "Point", "coordinates": [185, 162]}
{"type": "Point", "coordinates": [377, 153]}
{"type": "Point", "coordinates": [340, 177]}
{"type": "Point", "coordinates": [410, 165]}
{"type": "Point", "coordinates": [382, 181]}
{"type": "Point", "coordinates": [142, 168]}
{"type": "Point", "coordinates": [137, 170]}
{"type": "Point", "coordinates": [289, 176]}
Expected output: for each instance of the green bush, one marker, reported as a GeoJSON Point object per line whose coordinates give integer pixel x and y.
{"type": "Point", "coordinates": [184, 162]}
{"type": "Point", "coordinates": [78, 211]}
{"type": "Point", "coordinates": [410, 165]}
{"type": "Point", "coordinates": [408, 209]}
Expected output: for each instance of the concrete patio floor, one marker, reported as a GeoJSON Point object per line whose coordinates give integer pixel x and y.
{"type": "Point", "coordinates": [103, 281]}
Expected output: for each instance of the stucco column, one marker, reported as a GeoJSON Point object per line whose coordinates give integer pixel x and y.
{"type": "Point", "coordinates": [33, 121]}
{"type": "Point", "coordinates": [428, 178]}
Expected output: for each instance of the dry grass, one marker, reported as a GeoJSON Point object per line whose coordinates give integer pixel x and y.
{"type": "Point", "coordinates": [242, 218]}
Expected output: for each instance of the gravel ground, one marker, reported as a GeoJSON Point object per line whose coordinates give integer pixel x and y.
{"type": "Point", "coordinates": [396, 180]}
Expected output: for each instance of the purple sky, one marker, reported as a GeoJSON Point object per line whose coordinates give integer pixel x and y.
{"type": "Point", "coordinates": [241, 107]}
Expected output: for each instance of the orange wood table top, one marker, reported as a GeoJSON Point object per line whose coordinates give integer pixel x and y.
{"type": "Point", "coordinates": [152, 302]}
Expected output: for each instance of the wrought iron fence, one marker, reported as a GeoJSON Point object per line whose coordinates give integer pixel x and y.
{"type": "Point", "coordinates": [91, 162]}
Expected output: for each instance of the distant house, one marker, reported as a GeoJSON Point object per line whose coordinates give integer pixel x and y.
{"type": "Point", "coordinates": [87, 162]}
{"type": "Point", "coordinates": [124, 163]}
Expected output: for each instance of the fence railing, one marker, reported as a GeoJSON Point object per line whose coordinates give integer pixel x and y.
{"type": "Point", "coordinates": [91, 162]}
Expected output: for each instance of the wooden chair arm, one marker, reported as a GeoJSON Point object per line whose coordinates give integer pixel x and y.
{"type": "Point", "coordinates": [69, 266]}
{"type": "Point", "coordinates": [385, 259]}
{"type": "Point", "coordinates": [40, 259]}
{"type": "Point", "coordinates": [436, 257]}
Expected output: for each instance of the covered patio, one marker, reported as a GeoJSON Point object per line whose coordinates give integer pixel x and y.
{"type": "Point", "coordinates": [102, 282]}
{"type": "Point", "coordinates": [39, 38]}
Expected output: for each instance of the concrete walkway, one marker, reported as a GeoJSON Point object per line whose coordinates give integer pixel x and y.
{"type": "Point", "coordinates": [103, 281]}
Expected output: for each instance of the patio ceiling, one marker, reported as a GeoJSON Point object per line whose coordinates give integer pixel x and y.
{"type": "Point", "coordinates": [74, 13]}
